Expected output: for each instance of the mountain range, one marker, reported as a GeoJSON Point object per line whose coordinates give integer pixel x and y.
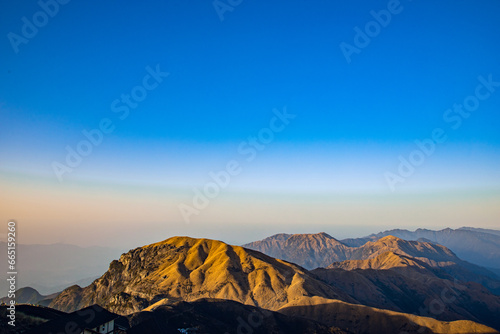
{"type": "Point", "coordinates": [293, 283]}
{"type": "Point", "coordinates": [475, 245]}
{"type": "Point", "coordinates": [393, 273]}
{"type": "Point", "coordinates": [183, 269]}
{"type": "Point", "coordinates": [320, 250]}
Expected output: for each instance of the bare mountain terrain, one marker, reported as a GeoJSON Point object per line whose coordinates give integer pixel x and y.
{"type": "Point", "coordinates": [186, 269]}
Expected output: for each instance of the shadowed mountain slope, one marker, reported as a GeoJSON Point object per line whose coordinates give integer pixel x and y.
{"type": "Point", "coordinates": [221, 316]}
{"type": "Point", "coordinates": [405, 284]}
{"type": "Point", "coordinates": [364, 319]}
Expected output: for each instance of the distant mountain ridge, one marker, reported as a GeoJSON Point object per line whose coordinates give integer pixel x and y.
{"type": "Point", "coordinates": [311, 251]}
{"type": "Point", "coordinates": [320, 249]}
{"type": "Point", "coordinates": [478, 246]}
{"type": "Point", "coordinates": [475, 245]}
{"type": "Point", "coordinates": [482, 230]}
{"type": "Point", "coordinates": [29, 295]}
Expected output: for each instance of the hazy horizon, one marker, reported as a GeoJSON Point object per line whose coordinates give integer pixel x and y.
{"type": "Point", "coordinates": [339, 233]}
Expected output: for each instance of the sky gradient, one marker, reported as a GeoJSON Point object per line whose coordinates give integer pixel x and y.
{"type": "Point", "coordinates": [232, 75]}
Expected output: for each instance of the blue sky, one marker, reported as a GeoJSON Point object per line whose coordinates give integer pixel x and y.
{"type": "Point", "coordinates": [353, 120]}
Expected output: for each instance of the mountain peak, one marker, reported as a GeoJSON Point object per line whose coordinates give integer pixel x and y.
{"type": "Point", "coordinates": [325, 235]}
{"type": "Point", "coordinates": [179, 239]}
{"type": "Point", "coordinates": [312, 236]}
{"type": "Point", "coordinates": [309, 250]}
{"type": "Point", "coordinates": [390, 238]}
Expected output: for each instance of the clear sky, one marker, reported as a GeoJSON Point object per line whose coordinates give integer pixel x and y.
{"type": "Point", "coordinates": [348, 117]}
